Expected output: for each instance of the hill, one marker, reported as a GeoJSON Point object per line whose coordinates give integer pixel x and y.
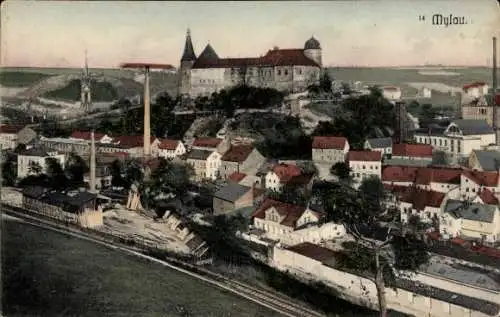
{"type": "Point", "coordinates": [101, 91]}
{"type": "Point", "coordinates": [20, 79]}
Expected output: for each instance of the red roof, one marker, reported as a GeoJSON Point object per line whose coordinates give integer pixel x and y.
{"type": "Point", "coordinates": [10, 128]}
{"type": "Point", "coordinates": [237, 153]}
{"type": "Point", "coordinates": [399, 173]}
{"type": "Point", "coordinates": [497, 99]}
{"type": "Point", "coordinates": [488, 197]}
{"type": "Point", "coordinates": [207, 142]}
{"type": "Point", "coordinates": [412, 150]}
{"type": "Point", "coordinates": [422, 198]}
{"type": "Point", "coordinates": [313, 251]}
{"type": "Point", "coordinates": [132, 141]}
{"type": "Point", "coordinates": [329, 142]}
{"type": "Point", "coordinates": [277, 57]}
{"type": "Point", "coordinates": [427, 175]}
{"type": "Point", "coordinates": [286, 172]}
{"type": "Point", "coordinates": [365, 156]}
{"type": "Point", "coordinates": [237, 177]}
{"type": "Point", "coordinates": [167, 144]}
{"type": "Point", "coordinates": [292, 213]}
{"type": "Point", "coordinates": [85, 135]}
{"type": "Point", "coordinates": [483, 178]}
{"type": "Point", "coordinates": [474, 85]}
{"type": "Point", "coordinates": [149, 65]}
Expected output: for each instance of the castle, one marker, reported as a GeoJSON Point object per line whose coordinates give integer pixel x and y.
{"type": "Point", "coordinates": [287, 70]}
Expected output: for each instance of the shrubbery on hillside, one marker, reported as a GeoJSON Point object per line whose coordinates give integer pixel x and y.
{"type": "Point", "coordinates": [101, 91]}
{"type": "Point", "coordinates": [20, 79]}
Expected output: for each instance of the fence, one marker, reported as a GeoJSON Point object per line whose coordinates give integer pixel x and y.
{"type": "Point", "coordinates": [144, 245]}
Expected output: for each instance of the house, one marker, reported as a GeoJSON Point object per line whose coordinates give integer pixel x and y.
{"type": "Point", "coordinates": [31, 158]}
{"type": "Point", "coordinates": [171, 149]}
{"type": "Point", "coordinates": [78, 207]}
{"type": "Point", "coordinates": [383, 145]}
{"type": "Point", "coordinates": [86, 136]}
{"type": "Point", "coordinates": [484, 160]}
{"type": "Point", "coordinates": [364, 164]}
{"type": "Point", "coordinates": [476, 89]}
{"type": "Point", "coordinates": [426, 204]}
{"type": "Point", "coordinates": [66, 145]}
{"type": "Point", "coordinates": [12, 135]}
{"type": "Point", "coordinates": [242, 159]}
{"type": "Point", "coordinates": [231, 197]}
{"type": "Point", "coordinates": [213, 144]}
{"type": "Point", "coordinates": [280, 175]}
{"type": "Point", "coordinates": [278, 218]}
{"type": "Point", "coordinates": [460, 138]}
{"type": "Point", "coordinates": [329, 149]}
{"type": "Point", "coordinates": [473, 182]}
{"type": "Point", "coordinates": [134, 144]}
{"type": "Point", "coordinates": [470, 221]}
{"type": "Point", "coordinates": [391, 93]}
{"type": "Point", "coordinates": [206, 163]}
{"type": "Point", "coordinates": [412, 152]}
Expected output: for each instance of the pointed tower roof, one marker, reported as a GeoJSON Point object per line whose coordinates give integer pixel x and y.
{"type": "Point", "coordinates": [208, 53]}
{"type": "Point", "coordinates": [188, 54]}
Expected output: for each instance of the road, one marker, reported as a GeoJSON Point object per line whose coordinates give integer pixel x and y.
{"type": "Point", "coordinates": [271, 300]}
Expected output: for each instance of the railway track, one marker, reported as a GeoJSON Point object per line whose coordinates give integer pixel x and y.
{"type": "Point", "coordinates": [269, 299]}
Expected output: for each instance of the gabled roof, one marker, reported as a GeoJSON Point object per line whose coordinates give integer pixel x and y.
{"type": "Point", "coordinates": [470, 211]}
{"type": "Point", "coordinates": [292, 213]}
{"type": "Point", "coordinates": [427, 175]}
{"type": "Point", "coordinates": [10, 128]}
{"type": "Point", "coordinates": [231, 192]}
{"type": "Point", "coordinates": [487, 197]}
{"type": "Point", "coordinates": [399, 173]}
{"type": "Point", "coordinates": [285, 172]}
{"type": "Point", "coordinates": [422, 198]}
{"type": "Point", "coordinates": [206, 142]}
{"type": "Point", "coordinates": [237, 153]}
{"type": "Point", "coordinates": [488, 159]}
{"type": "Point", "coordinates": [329, 142]}
{"type": "Point", "coordinates": [379, 143]}
{"type": "Point", "coordinates": [412, 150]}
{"type": "Point", "coordinates": [489, 179]}
{"type": "Point", "coordinates": [474, 85]}
{"type": "Point", "coordinates": [199, 154]}
{"type": "Point", "coordinates": [364, 156]}
{"type": "Point", "coordinates": [132, 141]}
{"type": "Point", "coordinates": [85, 135]}
{"type": "Point", "coordinates": [473, 127]}
{"type": "Point", "coordinates": [167, 144]}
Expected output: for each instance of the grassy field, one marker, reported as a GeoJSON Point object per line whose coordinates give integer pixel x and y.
{"type": "Point", "coordinates": [51, 274]}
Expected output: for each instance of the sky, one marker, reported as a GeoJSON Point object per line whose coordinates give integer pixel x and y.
{"type": "Point", "coordinates": [352, 33]}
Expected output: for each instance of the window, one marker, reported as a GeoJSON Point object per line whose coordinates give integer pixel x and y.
{"type": "Point", "coordinates": [279, 72]}
{"type": "Point", "coordinates": [286, 72]}
{"type": "Point", "coordinates": [300, 71]}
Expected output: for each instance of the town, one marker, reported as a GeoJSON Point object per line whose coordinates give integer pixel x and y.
{"type": "Point", "coordinates": [351, 190]}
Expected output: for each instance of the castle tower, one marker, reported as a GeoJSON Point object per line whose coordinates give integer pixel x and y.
{"type": "Point", "coordinates": [312, 49]}
{"type": "Point", "coordinates": [187, 61]}
{"type": "Point", "coordinates": [85, 93]}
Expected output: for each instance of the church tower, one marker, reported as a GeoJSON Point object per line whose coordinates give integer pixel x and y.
{"type": "Point", "coordinates": [187, 61]}
{"type": "Point", "coordinates": [312, 49]}
{"type": "Point", "coordinates": [85, 93]}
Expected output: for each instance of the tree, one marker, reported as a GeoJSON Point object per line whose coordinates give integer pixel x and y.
{"type": "Point", "coordinates": [55, 173]}
{"type": "Point", "coordinates": [325, 82]}
{"type": "Point", "coordinates": [75, 169]}
{"type": "Point", "coordinates": [341, 170]}
{"type": "Point", "coordinates": [117, 179]}
{"type": "Point", "coordinates": [361, 211]}
{"type": "Point", "coordinates": [9, 173]}
{"type": "Point", "coordinates": [134, 173]}
{"type": "Point", "coordinates": [289, 194]}
{"type": "Point", "coordinates": [34, 168]}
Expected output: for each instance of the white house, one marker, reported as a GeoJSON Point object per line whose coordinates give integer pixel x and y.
{"type": "Point", "coordinates": [329, 149]}
{"type": "Point", "coordinates": [426, 204]}
{"type": "Point", "coordinates": [364, 164]}
{"type": "Point", "coordinates": [383, 145]}
{"type": "Point", "coordinates": [134, 145]}
{"type": "Point", "coordinates": [279, 175]}
{"type": "Point", "coordinates": [473, 182]}
{"type": "Point", "coordinates": [476, 90]}
{"type": "Point", "coordinates": [470, 220]}
{"type": "Point", "coordinates": [206, 163]}
{"type": "Point", "coordinates": [460, 138]}
{"type": "Point", "coordinates": [405, 151]}
{"type": "Point", "coordinates": [278, 219]}
{"type": "Point", "coordinates": [8, 136]}
{"type": "Point", "coordinates": [391, 93]}
{"type": "Point", "coordinates": [35, 157]}
{"type": "Point", "coordinates": [171, 149]}
{"type": "Point", "coordinates": [86, 135]}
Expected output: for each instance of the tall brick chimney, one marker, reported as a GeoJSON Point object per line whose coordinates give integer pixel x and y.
{"type": "Point", "coordinates": [147, 114]}
{"type": "Point", "coordinates": [92, 183]}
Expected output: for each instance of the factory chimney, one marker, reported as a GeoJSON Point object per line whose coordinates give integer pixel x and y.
{"type": "Point", "coordinates": [147, 114]}
{"type": "Point", "coordinates": [494, 90]}
{"type": "Point", "coordinates": [92, 185]}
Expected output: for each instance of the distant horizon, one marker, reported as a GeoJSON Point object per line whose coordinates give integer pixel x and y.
{"type": "Point", "coordinates": [383, 33]}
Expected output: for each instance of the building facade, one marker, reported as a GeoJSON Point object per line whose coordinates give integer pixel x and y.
{"type": "Point", "coordinates": [291, 70]}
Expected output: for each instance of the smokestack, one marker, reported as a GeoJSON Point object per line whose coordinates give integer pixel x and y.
{"type": "Point", "coordinates": [92, 185]}
{"type": "Point", "coordinates": [494, 89]}
{"type": "Point", "coordinates": [147, 132]}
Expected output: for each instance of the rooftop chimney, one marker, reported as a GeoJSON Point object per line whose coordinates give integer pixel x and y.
{"type": "Point", "coordinates": [92, 185]}
{"type": "Point", "coordinates": [494, 88]}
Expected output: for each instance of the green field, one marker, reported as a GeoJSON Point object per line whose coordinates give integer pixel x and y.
{"type": "Point", "coordinates": [50, 274]}
{"type": "Point", "coordinates": [19, 78]}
